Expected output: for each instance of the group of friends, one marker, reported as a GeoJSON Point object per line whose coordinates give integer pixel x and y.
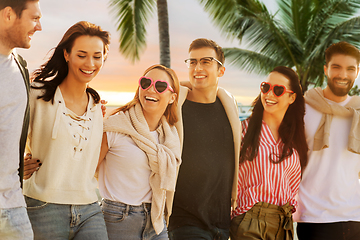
{"type": "Point", "coordinates": [175, 162]}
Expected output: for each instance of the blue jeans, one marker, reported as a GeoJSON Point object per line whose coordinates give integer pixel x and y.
{"type": "Point", "coordinates": [196, 233]}
{"type": "Point", "coordinates": [15, 224]}
{"type": "Point", "coordinates": [64, 221]}
{"type": "Point", "coordinates": [130, 222]}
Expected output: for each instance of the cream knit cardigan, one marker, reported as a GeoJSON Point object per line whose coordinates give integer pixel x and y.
{"type": "Point", "coordinates": [66, 176]}
{"type": "Point", "coordinates": [164, 158]}
{"type": "Point", "coordinates": [232, 112]}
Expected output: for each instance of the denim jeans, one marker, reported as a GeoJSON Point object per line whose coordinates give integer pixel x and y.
{"type": "Point", "coordinates": [15, 224]}
{"type": "Point", "coordinates": [129, 222]}
{"type": "Point", "coordinates": [64, 221]}
{"type": "Point", "coordinates": [196, 233]}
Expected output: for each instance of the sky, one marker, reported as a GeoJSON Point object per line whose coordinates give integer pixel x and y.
{"type": "Point", "coordinates": [118, 79]}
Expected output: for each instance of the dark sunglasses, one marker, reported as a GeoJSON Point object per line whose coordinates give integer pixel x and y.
{"type": "Point", "coordinates": [159, 85]}
{"type": "Point", "coordinates": [278, 90]}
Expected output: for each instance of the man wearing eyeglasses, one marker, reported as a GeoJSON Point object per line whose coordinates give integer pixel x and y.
{"type": "Point", "coordinates": [329, 193]}
{"type": "Point", "coordinates": [209, 129]}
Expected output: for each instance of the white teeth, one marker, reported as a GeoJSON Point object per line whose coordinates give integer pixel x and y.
{"type": "Point", "coordinates": [151, 99]}
{"type": "Point", "coordinates": [270, 101]}
{"type": "Point", "coordinates": [87, 72]}
{"type": "Point", "coordinates": [199, 76]}
{"type": "Point", "coordinates": [342, 82]}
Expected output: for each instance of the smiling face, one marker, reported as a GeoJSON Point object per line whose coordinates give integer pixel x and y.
{"type": "Point", "coordinates": [152, 102]}
{"type": "Point", "coordinates": [85, 59]}
{"type": "Point", "coordinates": [20, 33]}
{"type": "Point", "coordinates": [341, 72]}
{"type": "Point", "coordinates": [273, 105]}
{"type": "Point", "coordinates": [204, 78]}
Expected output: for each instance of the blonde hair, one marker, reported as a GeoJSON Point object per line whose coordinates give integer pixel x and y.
{"type": "Point", "coordinates": [171, 110]}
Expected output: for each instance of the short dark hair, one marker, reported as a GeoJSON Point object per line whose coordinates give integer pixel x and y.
{"type": "Point", "coordinates": [344, 48]}
{"type": "Point", "coordinates": [203, 42]}
{"type": "Point", "coordinates": [17, 5]}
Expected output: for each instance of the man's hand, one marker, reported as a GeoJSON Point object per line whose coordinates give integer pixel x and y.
{"type": "Point", "coordinates": [30, 165]}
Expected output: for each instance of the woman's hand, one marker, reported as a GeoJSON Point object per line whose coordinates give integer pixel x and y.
{"type": "Point", "coordinates": [30, 165]}
{"type": "Point", "coordinates": [103, 107]}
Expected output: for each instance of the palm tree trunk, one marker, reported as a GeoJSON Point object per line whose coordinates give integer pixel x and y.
{"type": "Point", "coordinates": [164, 37]}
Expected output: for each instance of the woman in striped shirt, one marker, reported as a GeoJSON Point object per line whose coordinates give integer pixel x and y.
{"type": "Point", "coordinates": [273, 152]}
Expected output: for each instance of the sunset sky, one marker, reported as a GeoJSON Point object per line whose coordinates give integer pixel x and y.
{"type": "Point", "coordinates": [118, 79]}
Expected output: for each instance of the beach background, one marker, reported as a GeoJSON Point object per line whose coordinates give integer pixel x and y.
{"type": "Point", "coordinates": [118, 79]}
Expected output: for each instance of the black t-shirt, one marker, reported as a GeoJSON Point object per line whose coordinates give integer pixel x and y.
{"type": "Point", "coordinates": [203, 190]}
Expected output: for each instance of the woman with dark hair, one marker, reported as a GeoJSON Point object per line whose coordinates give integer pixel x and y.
{"type": "Point", "coordinates": [273, 152]}
{"type": "Point", "coordinates": [139, 159]}
{"type": "Point", "coordinates": [65, 134]}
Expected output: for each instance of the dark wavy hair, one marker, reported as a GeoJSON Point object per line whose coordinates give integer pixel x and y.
{"type": "Point", "coordinates": [291, 129]}
{"type": "Point", "coordinates": [56, 68]}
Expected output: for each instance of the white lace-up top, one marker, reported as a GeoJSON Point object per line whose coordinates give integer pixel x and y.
{"type": "Point", "coordinates": [68, 146]}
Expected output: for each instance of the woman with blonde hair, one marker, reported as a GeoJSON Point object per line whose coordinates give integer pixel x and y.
{"type": "Point", "coordinates": [139, 159]}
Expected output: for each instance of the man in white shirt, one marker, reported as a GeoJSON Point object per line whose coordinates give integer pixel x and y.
{"type": "Point", "coordinates": [19, 20]}
{"type": "Point", "coordinates": [329, 194]}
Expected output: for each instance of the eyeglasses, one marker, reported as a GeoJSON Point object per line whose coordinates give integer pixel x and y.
{"type": "Point", "coordinates": [278, 90]}
{"type": "Point", "coordinates": [159, 85]}
{"type": "Point", "coordinates": [204, 62]}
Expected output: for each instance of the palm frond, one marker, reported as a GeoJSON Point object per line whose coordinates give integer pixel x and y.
{"type": "Point", "coordinates": [297, 35]}
{"type": "Point", "coordinates": [326, 16]}
{"type": "Point", "coordinates": [222, 11]}
{"type": "Point", "coordinates": [348, 31]}
{"type": "Point", "coordinates": [249, 60]}
{"type": "Point", "coordinates": [268, 37]}
{"type": "Point", "coordinates": [131, 19]}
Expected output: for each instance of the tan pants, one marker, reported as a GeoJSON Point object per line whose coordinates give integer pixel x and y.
{"type": "Point", "coordinates": [263, 221]}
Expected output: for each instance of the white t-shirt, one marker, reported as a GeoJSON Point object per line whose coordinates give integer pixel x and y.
{"type": "Point", "coordinates": [13, 100]}
{"type": "Point", "coordinates": [330, 188]}
{"type": "Point", "coordinates": [125, 171]}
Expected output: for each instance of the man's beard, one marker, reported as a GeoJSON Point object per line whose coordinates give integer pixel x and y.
{"type": "Point", "coordinates": [340, 92]}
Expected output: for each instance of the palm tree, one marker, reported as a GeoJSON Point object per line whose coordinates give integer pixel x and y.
{"type": "Point", "coordinates": [295, 36]}
{"type": "Point", "coordinates": [355, 91]}
{"type": "Point", "coordinates": [132, 18]}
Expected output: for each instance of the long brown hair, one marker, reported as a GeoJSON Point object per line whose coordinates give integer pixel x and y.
{"type": "Point", "coordinates": [291, 130]}
{"type": "Point", "coordinates": [170, 112]}
{"type": "Point", "coordinates": [56, 68]}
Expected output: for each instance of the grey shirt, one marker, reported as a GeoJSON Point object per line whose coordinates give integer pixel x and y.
{"type": "Point", "coordinates": [13, 100]}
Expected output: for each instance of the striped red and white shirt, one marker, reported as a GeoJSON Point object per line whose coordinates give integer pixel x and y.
{"type": "Point", "coordinates": [261, 180]}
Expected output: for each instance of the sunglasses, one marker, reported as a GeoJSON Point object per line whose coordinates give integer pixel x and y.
{"type": "Point", "coordinates": [159, 85]}
{"type": "Point", "coordinates": [278, 90]}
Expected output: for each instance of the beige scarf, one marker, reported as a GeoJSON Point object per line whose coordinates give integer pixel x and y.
{"type": "Point", "coordinates": [164, 158]}
{"type": "Point", "coordinates": [315, 98]}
